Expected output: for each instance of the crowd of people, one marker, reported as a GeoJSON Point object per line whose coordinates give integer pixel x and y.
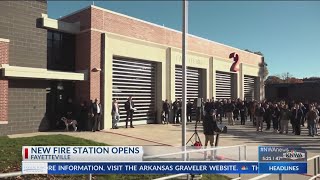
{"type": "Point", "coordinates": [278, 114]}
{"type": "Point", "coordinates": [88, 117]}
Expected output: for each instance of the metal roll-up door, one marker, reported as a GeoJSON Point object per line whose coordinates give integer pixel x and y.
{"type": "Point", "coordinates": [249, 87]}
{"type": "Point", "coordinates": [136, 78]}
{"type": "Point", "coordinates": [193, 76]}
{"type": "Point", "coordinates": [223, 85]}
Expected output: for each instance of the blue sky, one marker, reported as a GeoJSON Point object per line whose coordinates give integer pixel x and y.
{"type": "Point", "coordinates": [287, 33]}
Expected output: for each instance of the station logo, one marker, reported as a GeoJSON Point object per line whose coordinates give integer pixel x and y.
{"type": "Point", "coordinates": [34, 168]}
{"type": "Point", "coordinates": [294, 155]}
{"type": "Point", "coordinates": [244, 168]}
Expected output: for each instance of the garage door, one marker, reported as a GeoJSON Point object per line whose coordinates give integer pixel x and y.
{"type": "Point", "coordinates": [223, 85]}
{"type": "Point", "coordinates": [136, 78]}
{"type": "Point", "coordinates": [193, 76]}
{"type": "Point", "coordinates": [249, 88]}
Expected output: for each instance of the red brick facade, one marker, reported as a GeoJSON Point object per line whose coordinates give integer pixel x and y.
{"type": "Point", "coordinates": [4, 59]}
{"type": "Point", "coordinates": [111, 22]}
{"type": "Point", "coordinates": [95, 56]}
{"type": "Point", "coordinates": [83, 64]}
{"type": "Point", "coordinates": [93, 20]}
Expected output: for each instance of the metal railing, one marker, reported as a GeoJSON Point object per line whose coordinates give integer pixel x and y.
{"type": "Point", "coordinates": [202, 150]}
{"type": "Point", "coordinates": [188, 152]}
{"type": "Point", "coordinates": [11, 174]}
{"type": "Point", "coordinates": [19, 173]}
{"type": "Point", "coordinates": [315, 177]}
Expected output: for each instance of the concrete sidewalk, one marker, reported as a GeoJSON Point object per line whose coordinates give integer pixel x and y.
{"type": "Point", "coordinates": [170, 135]}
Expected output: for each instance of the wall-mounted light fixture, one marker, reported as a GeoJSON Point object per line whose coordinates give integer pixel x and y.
{"type": "Point", "coordinates": [60, 86]}
{"type": "Point", "coordinates": [96, 69]}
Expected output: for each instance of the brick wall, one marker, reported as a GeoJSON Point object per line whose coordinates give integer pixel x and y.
{"type": "Point", "coordinates": [26, 103]}
{"type": "Point", "coordinates": [84, 17]}
{"type": "Point", "coordinates": [4, 59]}
{"type": "Point", "coordinates": [27, 107]}
{"type": "Point", "coordinates": [18, 22]}
{"type": "Point", "coordinates": [83, 64]}
{"type": "Point", "coordinates": [88, 55]}
{"type": "Point", "coordinates": [95, 62]}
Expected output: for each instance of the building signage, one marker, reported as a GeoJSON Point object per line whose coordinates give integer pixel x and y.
{"type": "Point", "coordinates": [235, 66]}
{"type": "Point", "coordinates": [191, 60]}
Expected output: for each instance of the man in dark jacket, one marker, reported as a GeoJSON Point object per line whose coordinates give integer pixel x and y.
{"type": "Point", "coordinates": [275, 118]}
{"type": "Point", "coordinates": [209, 127]}
{"type": "Point", "coordinates": [220, 112]}
{"type": "Point", "coordinates": [166, 111]}
{"type": "Point", "coordinates": [96, 111]}
{"type": "Point", "coordinates": [189, 111]}
{"type": "Point", "coordinates": [230, 107]}
{"type": "Point", "coordinates": [304, 110]}
{"type": "Point", "coordinates": [268, 116]}
{"type": "Point", "coordinates": [297, 115]}
{"type": "Point", "coordinates": [243, 111]}
{"type": "Point", "coordinates": [129, 107]}
{"type": "Point", "coordinates": [259, 113]}
{"type": "Point", "coordinates": [177, 111]}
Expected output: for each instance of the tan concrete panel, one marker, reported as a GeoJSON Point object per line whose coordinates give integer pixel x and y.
{"type": "Point", "coordinates": [220, 64]}
{"type": "Point", "coordinates": [39, 73]}
{"type": "Point", "coordinates": [126, 47]}
{"type": "Point", "coordinates": [250, 70]}
{"type": "Point", "coordinates": [107, 64]}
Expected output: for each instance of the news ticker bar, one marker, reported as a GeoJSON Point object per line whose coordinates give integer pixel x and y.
{"type": "Point", "coordinates": [166, 167]}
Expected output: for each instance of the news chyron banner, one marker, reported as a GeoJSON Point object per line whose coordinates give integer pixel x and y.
{"type": "Point", "coordinates": [282, 160]}
{"type": "Point", "coordinates": [82, 153]}
{"type": "Point", "coordinates": [136, 160]}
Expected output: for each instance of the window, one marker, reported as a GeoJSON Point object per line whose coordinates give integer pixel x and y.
{"type": "Point", "coordinates": [61, 51]}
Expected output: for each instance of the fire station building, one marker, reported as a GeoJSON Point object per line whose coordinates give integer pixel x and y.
{"type": "Point", "coordinates": [98, 53]}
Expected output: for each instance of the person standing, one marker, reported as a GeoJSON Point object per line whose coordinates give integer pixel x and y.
{"type": "Point", "coordinates": [243, 111]}
{"type": "Point", "coordinates": [267, 116]}
{"type": "Point", "coordinates": [236, 111]}
{"type": "Point", "coordinates": [275, 117]}
{"type": "Point", "coordinates": [285, 115]}
{"type": "Point", "coordinates": [220, 112]}
{"type": "Point", "coordinates": [312, 117]}
{"type": "Point", "coordinates": [115, 113]}
{"type": "Point", "coordinates": [303, 108]}
{"type": "Point", "coordinates": [229, 112]}
{"type": "Point", "coordinates": [259, 113]}
{"type": "Point", "coordinates": [129, 107]}
{"type": "Point", "coordinates": [175, 106]}
{"type": "Point", "coordinates": [297, 116]}
{"type": "Point", "coordinates": [96, 115]}
{"type": "Point", "coordinates": [253, 107]}
{"type": "Point", "coordinates": [209, 126]}
{"type": "Point", "coordinates": [166, 111]}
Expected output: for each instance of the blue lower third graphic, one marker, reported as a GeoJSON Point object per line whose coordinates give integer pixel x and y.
{"type": "Point", "coordinates": [154, 168]}
{"type": "Point", "coordinates": [283, 168]}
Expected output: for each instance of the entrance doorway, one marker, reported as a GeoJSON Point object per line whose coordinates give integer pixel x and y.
{"type": "Point", "coordinates": [57, 97]}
